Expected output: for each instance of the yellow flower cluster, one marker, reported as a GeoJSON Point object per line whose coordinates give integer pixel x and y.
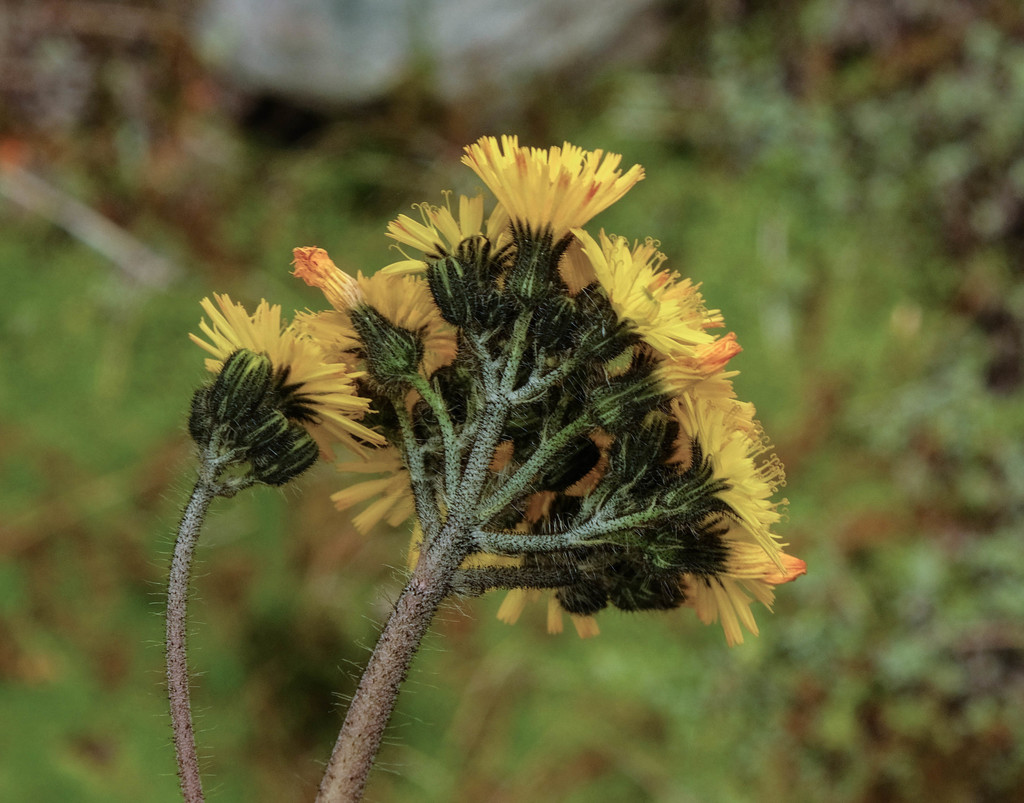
{"type": "Point", "coordinates": [555, 192]}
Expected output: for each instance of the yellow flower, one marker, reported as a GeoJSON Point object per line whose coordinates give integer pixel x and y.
{"type": "Point", "coordinates": [733, 442]}
{"type": "Point", "coordinates": [404, 300]}
{"type": "Point", "coordinates": [557, 188]}
{"type": "Point", "coordinates": [333, 332]}
{"type": "Point", "coordinates": [395, 504]}
{"type": "Point", "coordinates": [723, 597]}
{"type": "Point", "coordinates": [440, 232]}
{"type": "Point", "coordinates": [667, 311]}
{"type": "Point", "coordinates": [321, 393]}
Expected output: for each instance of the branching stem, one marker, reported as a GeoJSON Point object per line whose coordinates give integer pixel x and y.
{"type": "Point", "coordinates": [517, 543]}
{"type": "Point", "coordinates": [451, 444]}
{"type": "Point", "coordinates": [517, 483]}
{"type": "Point", "coordinates": [432, 580]}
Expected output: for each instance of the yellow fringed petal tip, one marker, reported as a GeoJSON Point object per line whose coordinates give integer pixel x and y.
{"type": "Point", "coordinates": [703, 373]}
{"type": "Point", "coordinates": [332, 407]}
{"type": "Point", "coordinates": [439, 231]}
{"type": "Point", "coordinates": [667, 311]}
{"type": "Point", "coordinates": [556, 188]}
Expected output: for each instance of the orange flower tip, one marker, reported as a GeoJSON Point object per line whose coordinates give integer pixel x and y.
{"type": "Point", "coordinates": [311, 262]}
{"type": "Point", "coordinates": [317, 269]}
{"type": "Point", "coordinates": [714, 356]}
{"type": "Point", "coordinates": [793, 568]}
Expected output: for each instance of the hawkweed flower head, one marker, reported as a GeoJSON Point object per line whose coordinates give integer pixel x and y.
{"type": "Point", "coordinates": [277, 396]}
{"type": "Point", "coordinates": [440, 231]}
{"type": "Point", "coordinates": [667, 311]}
{"type": "Point", "coordinates": [746, 575]}
{"type": "Point", "coordinates": [554, 189]}
{"type": "Point", "coordinates": [560, 400]}
{"type": "Point", "coordinates": [391, 320]}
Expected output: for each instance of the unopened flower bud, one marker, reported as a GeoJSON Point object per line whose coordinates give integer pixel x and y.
{"type": "Point", "coordinates": [200, 417]}
{"type": "Point", "coordinates": [556, 321]}
{"type": "Point", "coordinates": [584, 598]}
{"type": "Point", "coordinates": [536, 266]}
{"type": "Point", "coordinates": [605, 336]}
{"type": "Point", "coordinates": [393, 354]}
{"type": "Point", "coordinates": [451, 289]}
{"type": "Point", "coordinates": [286, 457]}
{"type": "Point", "coordinates": [241, 386]}
{"type": "Point", "coordinates": [265, 430]}
{"type": "Point", "coordinates": [638, 586]}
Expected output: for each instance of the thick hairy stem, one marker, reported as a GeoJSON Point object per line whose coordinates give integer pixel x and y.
{"type": "Point", "coordinates": [177, 625]}
{"type": "Point", "coordinates": [374, 700]}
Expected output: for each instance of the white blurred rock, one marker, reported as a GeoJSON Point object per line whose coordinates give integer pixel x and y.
{"type": "Point", "coordinates": [351, 51]}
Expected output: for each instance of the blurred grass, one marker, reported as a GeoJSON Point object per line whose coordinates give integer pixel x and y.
{"type": "Point", "coordinates": [893, 670]}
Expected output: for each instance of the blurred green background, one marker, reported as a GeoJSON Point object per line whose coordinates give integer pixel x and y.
{"type": "Point", "coordinates": [847, 181]}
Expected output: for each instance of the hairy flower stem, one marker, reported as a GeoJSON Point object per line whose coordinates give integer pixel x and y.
{"type": "Point", "coordinates": [374, 700]}
{"type": "Point", "coordinates": [177, 623]}
{"type": "Point", "coordinates": [431, 581]}
{"type": "Point", "coordinates": [216, 457]}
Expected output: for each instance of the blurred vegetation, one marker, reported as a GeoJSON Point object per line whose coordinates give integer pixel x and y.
{"type": "Point", "coordinates": [846, 178]}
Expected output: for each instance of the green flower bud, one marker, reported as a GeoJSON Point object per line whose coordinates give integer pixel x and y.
{"type": "Point", "coordinates": [241, 386]}
{"type": "Point", "coordinates": [620, 405]}
{"type": "Point", "coordinates": [604, 336]}
{"type": "Point", "coordinates": [535, 270]}
{"type": "Point", "coordinates": [393, 353]}
{"type": "Point", "coordinates": [286, 457]}
{"type": "Point", "coordinates": [452, 290]}
{"type": "Point", "coordinates": [556, 322]}
{"type": "Point", "coordinates": [584, 598]}
{"type": "Point", "coordinates": [638, 451]}
{"type": "Point", "coordinates": [489, 309]}
{"type": "Point", "coordinates": [639, 586]}
{"type": "Point", "coordinates": [264, 430]}
{"type": "Point", "coordinates": [200, 417]}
